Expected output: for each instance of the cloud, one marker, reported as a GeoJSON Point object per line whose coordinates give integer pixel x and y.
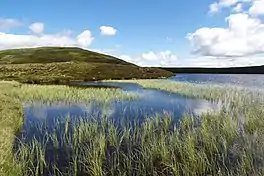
{"type": "Point", "coordinates": [238, 8]}
{"type": "Point", "coordinates": [209, 61]}
{"type": "Point", "coordinates": [168, 39]}
{"type": "Point", "coordinates": [244, 36]}
{"type": "Point", "coordinates": [257, 8]}
{"type": "Point", "coordinates": [85, 38]}
{"type": "Point", "coordinates": [9, 23]}
{"type": "Point", "coordinates": [108, 30]}
{"type": "Point", "coordinates": [200, 61]}
{"type": "Point", "coordinates": [37, 28]}
{"type": "Point", "coordinates": [168, 59]}
{"type": "Point", "coordinates": [11, 41]}
{"type": "Point", "coordinates": [151, 58]}
{"type": "Point", "coordinates": [228, 3]}
{"type": "Point", "coordinates": [237, 4]}
{"type": "Point", "coordinates": [214, 8]}
{"type": "Point", "coordinates": [127, 58]}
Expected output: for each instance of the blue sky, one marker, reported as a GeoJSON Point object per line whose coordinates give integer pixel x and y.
{"type": "Point", "coordinates": [141, 27]}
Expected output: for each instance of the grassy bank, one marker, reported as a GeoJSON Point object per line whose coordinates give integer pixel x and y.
{"type": "Point", "coordinates": [11, 120]}
{"type": "Point", "coordinates": [230, 142]}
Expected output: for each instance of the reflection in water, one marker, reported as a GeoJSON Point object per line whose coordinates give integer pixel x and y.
{"type": "Point", "coordinates": [45, 120]}
{"type": "Point", "coordinates": [150, 103]}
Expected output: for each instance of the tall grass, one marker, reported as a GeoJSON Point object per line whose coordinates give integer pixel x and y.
{"type": "Point", "coordinates": [49, 93]}
{"type": "Point", "coordinates": [210, 145]}
{"type": "Point", "coordinates": [10, 123]}
{"type": "Point", "coordinates": [229, 142]}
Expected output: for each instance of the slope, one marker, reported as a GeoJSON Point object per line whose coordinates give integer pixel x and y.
{"type": "Point", "coordinates": [65, 64]}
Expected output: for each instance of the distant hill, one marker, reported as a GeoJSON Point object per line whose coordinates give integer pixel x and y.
{"type": "Point", "coordinates": [65, 64]}
{"type": "Point", "coordinates": [229, 70]}
{"type": "Point", "coordinates": [55, 54]}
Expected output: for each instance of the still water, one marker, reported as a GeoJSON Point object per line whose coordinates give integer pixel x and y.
{"type": "Point", "coordinates": [150, 103]}
{"type": "Point", "coordinates": [42, 120]}
{"type": "Point", "coordinates": [246, 80]}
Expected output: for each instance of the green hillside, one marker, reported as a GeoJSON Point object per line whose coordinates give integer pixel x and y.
{"type": "Point", "coordinates": [64, 64]}
{"type": "Point", "coordinates": [55, 54]}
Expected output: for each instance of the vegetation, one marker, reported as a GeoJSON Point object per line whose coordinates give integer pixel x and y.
{"type": "Point", "coordinates": [11, 120]}
{"type": "Point", "coordinates": [54, 55]}
{"type": "Point", "coordinates": [58, 64]}
{"type": "Point", "coordinates": [229, 142]}
{"type": "Point", "coordinates": [66, 94]}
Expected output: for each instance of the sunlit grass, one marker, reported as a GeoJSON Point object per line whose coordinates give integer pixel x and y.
{"type": "Point", "coordinates": [50, 93]}
{"type": "Point", "coordinates": [213, 144]}
{"type": "Point", "coordinates": [229, 142]}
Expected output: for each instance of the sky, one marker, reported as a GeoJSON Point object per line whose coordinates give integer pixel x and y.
{"type": "Point", "coordinates": [197, 33]}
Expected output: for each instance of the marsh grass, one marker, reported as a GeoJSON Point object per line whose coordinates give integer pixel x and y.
{"type": "Point", "coordinates": [10, 123]}
{"type": "Point", "coordinates": [210, 145]}
{"type": "Point", "coordinates": [51, 93]}
{"type": "Point", "coordinates": [229, 142]}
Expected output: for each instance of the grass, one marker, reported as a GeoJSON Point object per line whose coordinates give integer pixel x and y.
{"type": "Point", "coordinates": [230, 142]}
{"type": "Point", "coordinates": [66, 94]}
{"type": "Point", "coordinates": [55, 54]}
{"type": "Point", "coordinates": [62, 65]}
{"type": "Point", "coordinates": [10, 123]}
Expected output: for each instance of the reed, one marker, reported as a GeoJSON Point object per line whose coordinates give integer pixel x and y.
{"type": "Point", "coordinates": [228, 142]}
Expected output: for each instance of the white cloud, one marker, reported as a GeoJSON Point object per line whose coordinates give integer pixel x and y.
{"type": "Point", "coordinates": [168, 39]}
{"type": "Point", "coordinates": [157, 58]}
{"type": "Point", "coordinates": [200, 61]}
{"type": "Point", "coordinates": [11, 41]}
{"type": "Point", "coordinates": [37, 28]}
{"type": "Point", "coordinates": [257, 8]}
{"type": "Point", "coordinates": [9, 23]}
{"type": "Point", "coordinates": [214, 8]}
{"type": "Point", "coordinates": [126, 58]}
{"type": "Point", "coordinates": [151, 58]}
{"type": "Point", "coordinates": [244, 36]}
{"type": "Point", "coordinates": [108, 30]}
{"type": "Point", "coordinates": [209, 61]}
{"type": "Point", "coordinates": [85, 38]}
{"type": "Point", "coordinates": [167, 59]}
{"type": "Point", "coordinates": [238, 8]}
{"type": "Point", "coordinates": [228, 3]}
{"type": "Point", "coordinates": [237, 4]}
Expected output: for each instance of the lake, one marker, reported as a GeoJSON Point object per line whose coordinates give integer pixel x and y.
{"type": "Point", "coordinates": [246, 80]}
{"type": "Point", "coordinates": [150, 103]}
{"type": "Point", "coordinates": [42, 120]}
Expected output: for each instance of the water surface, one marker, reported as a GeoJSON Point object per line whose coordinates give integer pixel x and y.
{"type": "Point", "coordinates": [45, 120]}
{"type": "Point", "coordinates": [246, 80]}
{"type": "Point", "coordinates": [150, 103]}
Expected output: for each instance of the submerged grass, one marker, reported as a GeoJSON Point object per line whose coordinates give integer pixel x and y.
{"type": "Point", "coordinates": [229, 142]}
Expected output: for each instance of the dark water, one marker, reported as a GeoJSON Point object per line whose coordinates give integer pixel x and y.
{"type": "Point", "coordinates": [246, 80]}
{"type": "Point", "coordinates": [42, 120]}
{"type": "Point", "coordinates": [150, 103]}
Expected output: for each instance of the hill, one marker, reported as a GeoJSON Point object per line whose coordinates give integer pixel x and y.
{"type": "Point", "coordinates": [54, 55]}
{"type": "Point", "coordinates": [65, 64]}
{"type": "Point", "coordinates": [228, 70]}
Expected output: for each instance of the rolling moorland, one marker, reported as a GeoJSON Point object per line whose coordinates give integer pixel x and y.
{"type": "Point", "coordinates": [64, 64]}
